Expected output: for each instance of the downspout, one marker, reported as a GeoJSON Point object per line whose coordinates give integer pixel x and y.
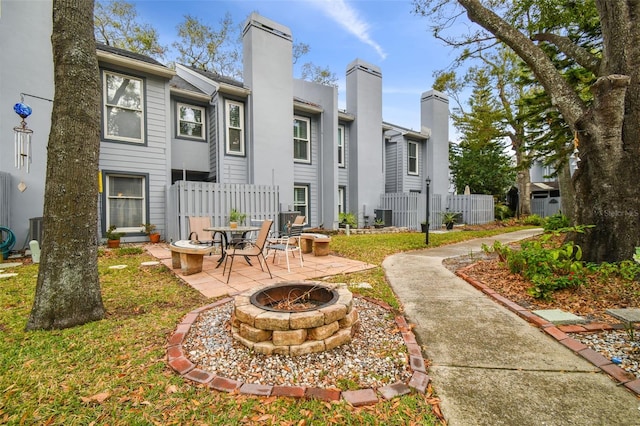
{"type": "Point", "coordinates": [321, 170]}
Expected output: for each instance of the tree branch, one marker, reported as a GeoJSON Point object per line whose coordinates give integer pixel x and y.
{"type": "Point", "coordinates": [578, 53]}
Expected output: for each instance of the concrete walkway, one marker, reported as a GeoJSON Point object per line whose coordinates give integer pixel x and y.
{"type": "Point", "coordinates": [491, 367]}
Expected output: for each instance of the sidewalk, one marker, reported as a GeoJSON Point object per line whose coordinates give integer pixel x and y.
{"type": "Point", "coordinates": [488, 365]}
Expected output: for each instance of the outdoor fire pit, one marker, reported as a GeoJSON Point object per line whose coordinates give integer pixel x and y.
{"type": "Point", "coordinates": [294, 318]}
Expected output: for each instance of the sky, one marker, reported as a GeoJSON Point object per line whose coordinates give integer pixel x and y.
{"type": "Point", "coordinates": [384, 33]}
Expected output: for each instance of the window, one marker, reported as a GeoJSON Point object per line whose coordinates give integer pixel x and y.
{"type": "Point", "coordinates": [123, 108]}
{"type": "Point", "coordinates": [341, 146]}
{"type": "Point", "coordinates": [412, 150]}
{"type": "Point", "coordinates": [342, 199]}
{"type": "Point", "coordinates": [191, 121]}
{"type": "Point", "coordinates": [301, 200]}
{"type": "Point", "coordinates": [235, 127]}
{"type": "Point", "coordinates": [301, 140]}
{"type": "Point", "coordinates": [125, 202]}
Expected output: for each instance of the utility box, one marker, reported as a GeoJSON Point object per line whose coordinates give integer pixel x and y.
{"type": "Point", "coordinates": [385, 216]}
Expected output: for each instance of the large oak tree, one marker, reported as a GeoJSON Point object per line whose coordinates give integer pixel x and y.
{"type": "Point", "coordinates": [68, 288]}
{"type": "Point", "coordinates": [608, 128]}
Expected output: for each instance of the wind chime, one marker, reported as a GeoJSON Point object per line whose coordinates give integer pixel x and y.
{"type": "Point", "coordinates": [574, 156]}
{"type": "Point", "coordinates": [22, 140]}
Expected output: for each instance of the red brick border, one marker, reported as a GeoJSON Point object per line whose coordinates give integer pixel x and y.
{"type": "Point", "coordinates": [418, 382]}
{"type": "Point", "coordinates": [559, 334]}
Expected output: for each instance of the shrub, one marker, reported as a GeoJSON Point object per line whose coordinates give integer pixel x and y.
{"type": "Point", "coordinates": [348, 219]}
{"type": "Point", "coordinates": [548, 269]}
{"type": "Point", "coordinates": [556, 222]}
{"type": "Point", "coordinates": [502, 211]}
{"type": "Point", "coordinates": [533, 220]}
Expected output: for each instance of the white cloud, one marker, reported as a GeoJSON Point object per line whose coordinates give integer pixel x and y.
{"type": "Point", "coordinates": [348, 17]}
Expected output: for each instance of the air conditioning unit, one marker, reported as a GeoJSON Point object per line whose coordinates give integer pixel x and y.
{"type": "Point", "coordinates": [35, 229]}
{"type": "Point", "coordinates": [385, 216]}
{"type": "Point", "coordinates": [285, 218]}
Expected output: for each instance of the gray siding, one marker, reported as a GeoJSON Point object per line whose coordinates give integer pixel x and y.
{"type": "Point", "coordinates": [308, 174]}
{"type": "Point", "coordinates": [185, 153]}
{"type": "Point", "coordinates": [413, 182]}
{"type": "Point", "coordinates": [392, 182]}
{"type": "Point", "coordinates": [150, 159]}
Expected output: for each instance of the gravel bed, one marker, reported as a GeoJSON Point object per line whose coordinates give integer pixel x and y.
{"type": "Point", "coordinates": [616, 346]}
{"type": "Point", "coordinates": [375, 357]}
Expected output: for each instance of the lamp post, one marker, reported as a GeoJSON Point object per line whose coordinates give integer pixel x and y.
{"type": "Point", "coordinates": [428, 212]}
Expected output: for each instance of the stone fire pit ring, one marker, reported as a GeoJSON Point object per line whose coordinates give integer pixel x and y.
{"type": "Point", "coordinates": [270, 331]}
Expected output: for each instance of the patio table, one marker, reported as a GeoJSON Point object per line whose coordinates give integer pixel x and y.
{"type": "Point", "coordinates": [225, 232]}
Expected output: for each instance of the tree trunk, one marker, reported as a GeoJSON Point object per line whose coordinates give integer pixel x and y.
{"type": "Point", "coordinates": [524, 186]}
{"type": "Point", "coordinates": [606, 191]}
{"type": "Point", "coordinates": [567, 193]}
{"type": "Point", "coordinates": [606, 179]}
{"type": "Point", "coordinates": [68, 287]}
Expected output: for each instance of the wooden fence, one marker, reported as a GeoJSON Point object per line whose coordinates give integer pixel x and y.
{"type": "Point", "coordinates": [216, 200]}
{"type": "Point", "coordinates": [409, 209]}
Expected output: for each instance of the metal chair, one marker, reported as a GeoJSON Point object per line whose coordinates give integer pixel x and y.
{"type": "Point", "coordinates": [290, 243]}
{"type": "Point", "coordinates": [246, 249]}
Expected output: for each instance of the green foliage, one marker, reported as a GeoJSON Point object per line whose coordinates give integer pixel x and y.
{"type": "Point", "coordinates": [450, 217]}
{"type": "Point", "coordinates": [348, 219]}
{"type": "Point", "coordinates": [111, 233]}
{"type": "Point", "coordinates": [148, 228]}
{"type": "Point", "coordinates": [628, 270]}
{"type": "Point", "coordinates": [116, 24]}
{"type": "Point", "coordinates": [636, 256]}
{"type": "Point", "coordinates": [548, 269]}
{"type": "Point", "coordinates": [533, 220]}
{"type": "Point", "coordinates": [317, 74]}
{"type": "Point", "coordinates": [556, 222]}
{"type": "Point", "coordinates": [129, 251]}
{"type": "Point", "coordinates": [236, 216]}
{"type": "Point", "coordinates": [480, 160]}
{"type": "Point", "coordinates": [502, 211]}
{"type": "Point", "coordinates": [212, 49]}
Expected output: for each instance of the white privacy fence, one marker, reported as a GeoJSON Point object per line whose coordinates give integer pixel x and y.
{"type": "Point", "coordinates": [410, 209]}
{"type": "Point", "coordinates": [476, 209]}
{"type": "Point", "coordinates": [544, 207]}
{"type": "Point", "coordinates": [215, 200]}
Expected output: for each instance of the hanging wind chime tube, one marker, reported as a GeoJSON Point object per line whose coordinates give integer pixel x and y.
{"type": "Point", "coordinates": [576, 142]}
{"type": "Point", "coordinates": [22, 137]}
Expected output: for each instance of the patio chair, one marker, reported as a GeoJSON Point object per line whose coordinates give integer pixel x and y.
{"type": "Point", "coordinates": [288, 244]}
{"type": "Point", "coordinates": [249, 249]}
{"type": "Point", "coordinates": [197, 232]}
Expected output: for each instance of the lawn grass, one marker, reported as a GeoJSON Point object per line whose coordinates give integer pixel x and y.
{"type": "Point", "coordinates": [114, 371]}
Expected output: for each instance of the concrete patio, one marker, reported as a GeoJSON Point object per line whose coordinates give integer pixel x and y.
{"type": "Point", "coordinates": [211, 283]}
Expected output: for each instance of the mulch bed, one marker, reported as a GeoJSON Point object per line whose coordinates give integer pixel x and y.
{"type": "Point", "coordinates": [589, 301]}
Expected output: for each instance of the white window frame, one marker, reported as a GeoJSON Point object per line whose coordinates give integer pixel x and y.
{"type": "Point", "coordinates": [307, 141]}
{"type": "Point", "coordinates": [296, 204]}
{"type": "Point", "coordinates": [341, 147]}
{"type": "Point", "coordinates": [179, 120]}
{"type": "Point", "coordinates": [415, 158]}
{"type": "Point", "coordinates": [109, 198]}
{"type": "Point", "coordinates": [107, 106]}
{"type": "Point", "coordinates": [228, 104]}
{"type": "Point", "coordinates": [341, 198]}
